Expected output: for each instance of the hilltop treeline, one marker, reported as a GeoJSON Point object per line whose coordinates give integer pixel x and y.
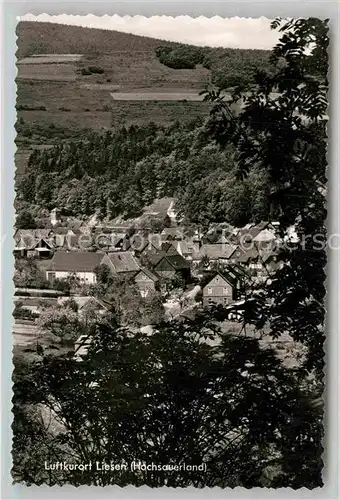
{"type": "Point", "coordinates": [229, 67]}
{"type": "Point", "coordinates": [121, 172]}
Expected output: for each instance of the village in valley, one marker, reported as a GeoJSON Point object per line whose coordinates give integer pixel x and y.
{"type": "Point", "coordinates": [127, 268]}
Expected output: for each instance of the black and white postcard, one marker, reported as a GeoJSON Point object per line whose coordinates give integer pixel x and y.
{"type": "Point", "coordinates": [169, 251]}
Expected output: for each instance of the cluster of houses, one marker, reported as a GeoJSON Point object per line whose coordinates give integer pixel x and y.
{"type": "Point", "coordinates": [147, 258]}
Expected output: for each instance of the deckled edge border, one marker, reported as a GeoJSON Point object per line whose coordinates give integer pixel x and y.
{"type": "Point", "coordinates": [228, 9]}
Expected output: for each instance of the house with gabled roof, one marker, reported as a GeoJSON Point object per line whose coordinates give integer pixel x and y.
{"type": "Point", "coordinates": [173, 233]}
{"type": "Point", "coordinates": [122, 263]}
{"type": "Point", "coordinates": [262, 232]}
{"type": "Point", "coordinates": [221, 290]}
{"type": "Point", "coordinates": [256, 257]}
{"type": "Point", "coordinates": [168, 264]}
{"type": "Point", "coordinates": [217, 252]}
{"type": "Point", "coordinates": [32, 244]}
{"type": "Point", "coordinates": [80, 264]}
{"type": "Point", "coordinates": [82, 301]}
{"type": "Point", "coordinates": [186, 248]}
{"type": "Point", "coordinates": [146, 281]}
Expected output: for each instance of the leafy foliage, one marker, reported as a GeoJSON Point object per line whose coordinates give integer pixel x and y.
{"type": "Point", "coordinates": [171, 398]}
{"type": "Point", "coordinates": [25, 220]}
{"type": "Point", "coordinates": [282, 131]}
{"type": "Point", "coordinates": [28, 275]}
{"type": "Point", "coordinates": [229, 67]}
{"type": "Point", "coordinates": [121, 172]}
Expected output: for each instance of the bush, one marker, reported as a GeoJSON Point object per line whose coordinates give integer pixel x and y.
{"type": "Point", "coordinates": [27, 107]}
{"type": "Point", "coordinates": [92, 70]}
{"type": "Point", "coordinates": [62, 286]}
{"type": "Point", "coordinates": [25, 220]}
{"type": "Point", "coordinates": [180, 57]}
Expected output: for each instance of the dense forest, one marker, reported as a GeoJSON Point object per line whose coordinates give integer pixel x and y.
{"type": "Point", "coordinates": [229, 67]}
{"type": "Point", "coordinates": [121, 172]}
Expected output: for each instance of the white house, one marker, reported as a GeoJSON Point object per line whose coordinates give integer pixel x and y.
{"type": "Point", "coordinates": [80, 264]}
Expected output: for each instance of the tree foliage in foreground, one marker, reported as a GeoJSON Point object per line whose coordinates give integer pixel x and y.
{"type": "Point", "coordinates": [282, 132]}
{"type": "Point", "coordinates": [185, 394]}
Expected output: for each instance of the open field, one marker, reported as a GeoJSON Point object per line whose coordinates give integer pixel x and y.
{"type": "Point", "coordinates": [47, 72]}
{"type": "Point", "coordinates": [50, 58]}
{"type": "Point", "coordinates": [129, 64]}
{"type": "Point", "coordinates": [59, 98]}
{"type": "Point", "coordinates": [48, 67]}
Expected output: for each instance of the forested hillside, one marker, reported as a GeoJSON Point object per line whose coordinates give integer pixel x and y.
{"type": "Point", "coordinates": [104, 156]}
{"type": "Point", "coordinates": [121, 172]}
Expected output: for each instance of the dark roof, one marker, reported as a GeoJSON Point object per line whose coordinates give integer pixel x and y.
{"type": "Point", "coordinates": [176, 233]}
{"type": "Point", "coordinates": [75, 261]}
{"type": "Point", "coordinates": [251, 232]}
{"type": "Point", "coordinates": [32, 233]}
{"type": "Point", "coordinates": [154, 257]}
{"type": "Point", "coordinates": [253, 254]}
{"type": "Point", "coordinates": [123, 262]}
{"type": "Point", "coordinates": [60, 230]}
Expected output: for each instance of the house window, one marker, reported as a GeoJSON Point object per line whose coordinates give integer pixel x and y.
{"type": "Point", "coordinates": [225, 291]}
{"type": "Point", "coordinates": [226, 300]}
{"type": "Point", "coordinates": [209, 291]}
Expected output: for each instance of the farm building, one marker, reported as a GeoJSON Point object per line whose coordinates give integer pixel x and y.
{"type": "Point", "coordinates": [186, 248]}
{"type": "Point", "coordinates": [30, 246]}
